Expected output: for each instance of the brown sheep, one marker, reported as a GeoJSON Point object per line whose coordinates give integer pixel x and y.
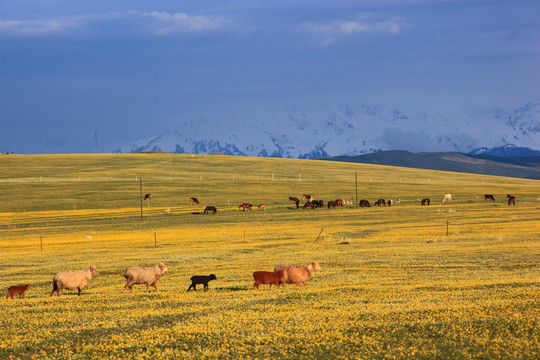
{"type": "Point", "coordinates": [268, 277]}
{"type": "Point", "coordinates": [296, 274]}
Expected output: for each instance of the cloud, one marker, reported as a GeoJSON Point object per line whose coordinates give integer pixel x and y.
{"type": "Point", "coordinates": [327, 33]}
{"type": "Point", "coordinates": [33, 27]}
{"type": "Point", "coordinates": [167, 23]}
{"type": "Point", "coordinates": [135, 22]}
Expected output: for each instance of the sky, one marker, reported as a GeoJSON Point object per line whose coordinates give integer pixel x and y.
{"type": "Point", "coordinates": [78, 75]}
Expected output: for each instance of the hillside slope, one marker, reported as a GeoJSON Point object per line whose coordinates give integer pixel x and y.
{"type": "Point", "coordinates": [519, 167]}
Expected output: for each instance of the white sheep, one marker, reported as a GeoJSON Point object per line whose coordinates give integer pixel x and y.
{"type": "Point", "coordinates": [71, 280]}
{"type": "Point", "coordinates": [138, 275]}
{"type": "Point", "coordinates": [295, 274]}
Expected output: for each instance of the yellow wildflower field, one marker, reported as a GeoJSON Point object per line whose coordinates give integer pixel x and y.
{"type": "Point", "coordinates": [453, 280]}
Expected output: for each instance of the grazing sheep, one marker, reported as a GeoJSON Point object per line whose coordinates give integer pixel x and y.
{"type": "Point", "coordinates": [139, 275]}
{"type": "Point", "coordinates": [71, 280]}
{"type": "Point", "coordinates": [268, 277]}
{"type": "Point", "coordinates": [17, 289]}
{"type": "Point", "coordinates": [296, 274]}
{"type": "Point", "coordinates": [201, 279]}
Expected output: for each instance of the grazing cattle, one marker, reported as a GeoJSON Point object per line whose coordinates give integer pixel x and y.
{"type": "Point", "coordinates": [269, 278]}
{"type": "Point", "coordinates": [147, 196]}
{"type": "Point", "coordinates": [364, 203]}
{"type": "Point", "coordinates": [201, 279]}
{"type": "Point", "coordinates": [512, 200]}
{"type": "Point", "coordinates": [193, 201]}
{"type": "Point", "coordinates": [446, 198]}
{"type": "Point", "coordinates": [425, 201]}
{"type": "Point", "coordinates": [331, 204]}
{"type": "Point", "coordinates": [245, 207]}
{"type": "Point", "coordinates": [309, 205]}
{"type": "Point", "coordinates": [262, 207]}
{"type": "Point", "coordinates": [307, 197]}
{"type": "Point", "coordinates": [489, 197]}
{"type": "Point", "coordinates": [293, 199]}
{"type": "Point", "coordinates": [209, 209]}
{"type": "Point", "coordinates": [339, 202]}
{"type": "Point", "coordinates": [389, 203]}
{"type": "Point", "coordinates": [380, 202]}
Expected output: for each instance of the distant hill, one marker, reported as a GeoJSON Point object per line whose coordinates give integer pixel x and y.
{"type": "Point", "coordinates": [527, 167]}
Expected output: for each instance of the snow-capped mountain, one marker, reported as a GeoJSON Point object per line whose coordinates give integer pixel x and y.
{"type": "Point", "coordinates": [323, 131]}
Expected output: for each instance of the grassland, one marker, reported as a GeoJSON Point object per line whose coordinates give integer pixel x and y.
{"type": "Point", "coordinates": [394, 283]}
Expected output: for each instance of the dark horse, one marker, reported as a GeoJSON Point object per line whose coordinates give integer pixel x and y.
{"type": "Point", "coordinates": [331, 204]}
{"type": "Point", "coordinates": [425, 201]}
{"type": "Point", "coordinates": [210, 209]}
{"type": "Point", "coordinates": [364, 203]}
{"type": "Point", "coordinates": [309, 205]}
{"type": "Point", "coordinates": [489, 197]}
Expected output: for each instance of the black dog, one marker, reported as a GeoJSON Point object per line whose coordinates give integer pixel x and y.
{"type": "Point", "coordinates": [201, 279]}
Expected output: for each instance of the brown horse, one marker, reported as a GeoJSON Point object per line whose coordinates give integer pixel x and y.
{"type": "Point", "coordinates": [489, 197]}
{"type": "Point", "coordinates": [293, 199]}
{"type": "Point", "coordinates": [309, 205]}
{"type": "Point", "coordinates": [339, 202]}
{"type": "Point", "coordinates": [425, 201]}
{"type": "Point", "coordinates": [331, 204]}
{"type": "Point", "coordinates": [380, 202]}
{"type": "Point", "coordinates": [193, 201]}
{"type": "Point", "coordinates": [245, 207]}
{"type": "Point", "coordinates": [511, 200]}
{"type": "Point", "coordinates": [147, 196]}
{"type": "Point", "coordinates": [306, 197]}
{"type": "Point", "coordinates": [364, 203]}
{"type": "Point", "coordinates": [262, 207]}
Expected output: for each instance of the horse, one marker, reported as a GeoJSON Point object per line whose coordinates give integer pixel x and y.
{"type": "Point", "coordinates": [389, 202]}
{"type": "Point", "coordinates": [446, 198]}
{"type": "Point", "coordinates": [348, 202]}
{"type": "Point", "coordinates": [306, 197]}
{"type": "Point", "coordinates": [339, 202]}
{"type": "Point", "coordinates": [318, 203]}
{"type": "Point", "coordinates": [331, 204]}
{"type": "Point", "coordinates": [245, 207]}
{"type": "Point", "coordinates": [147, 196]}
{"type": "Point", "coordinates": [512, 200]}
{"type": "Point", "coordinates": [209, 209]}
{"type": "Point", "coordinates": [364, 203]}
{"type": "Point", "coordinates": [309, 205]}
{"type": "Point", "coordinates": [293, 199]}
{"type": "Point", "coordinates": [489, 197]}
{"type": "Point", "coordinates": [193, 200]}
{"type": "Point", "coordinates": [380, 202]}
{"type": "Point", "coordinates": [425, 201]}
{"type": "Point", "coordinates": [262, 207]}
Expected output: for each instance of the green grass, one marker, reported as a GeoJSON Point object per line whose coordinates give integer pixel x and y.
{"type": "Point", "coordinates": [393, 285]}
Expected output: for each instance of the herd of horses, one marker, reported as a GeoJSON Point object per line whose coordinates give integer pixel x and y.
{"type": "Point", "coordinates": [313, 204]}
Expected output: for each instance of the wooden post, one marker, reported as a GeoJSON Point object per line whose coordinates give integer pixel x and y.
{"type": "Point", "coordinates": [319, 235]}
{"type": "Point", "coordinates": [140, 187]}
{"type": "Point", "coordinates": [356, 185]}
